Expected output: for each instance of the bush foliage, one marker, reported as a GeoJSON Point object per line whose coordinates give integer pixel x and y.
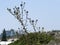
{"type": "Point", "coordinates": [33, 39]}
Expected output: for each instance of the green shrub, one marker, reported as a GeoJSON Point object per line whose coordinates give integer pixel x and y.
{"type": "Point", "coordinates": [33, 39]}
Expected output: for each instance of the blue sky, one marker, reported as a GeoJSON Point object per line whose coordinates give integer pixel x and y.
{"type": "Point", "coordinates": [46, 11]}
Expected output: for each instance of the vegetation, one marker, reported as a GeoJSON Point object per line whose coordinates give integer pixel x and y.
{"type": "Point", "coordinates": [4, 35]}
{"type": "Point", "coordinates": [33, 39]}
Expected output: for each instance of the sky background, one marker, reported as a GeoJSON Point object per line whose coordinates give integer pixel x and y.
{"type": "Point", "coordinates": [46, 11]}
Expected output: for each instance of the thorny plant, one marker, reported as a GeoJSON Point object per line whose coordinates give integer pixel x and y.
{"type": "Point", "coordinates": [18, 12]}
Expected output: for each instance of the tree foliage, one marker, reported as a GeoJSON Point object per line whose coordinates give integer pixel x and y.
{"type": "Point", "coordinates": [4, 35]}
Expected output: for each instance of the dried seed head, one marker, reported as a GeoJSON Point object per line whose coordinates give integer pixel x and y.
{"type": "Point", "coordinates": [26, 11]}
{"type": "Point", "coordinates": [21, 4]}
{"type": "Point", "coordinates": [32, 20]}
